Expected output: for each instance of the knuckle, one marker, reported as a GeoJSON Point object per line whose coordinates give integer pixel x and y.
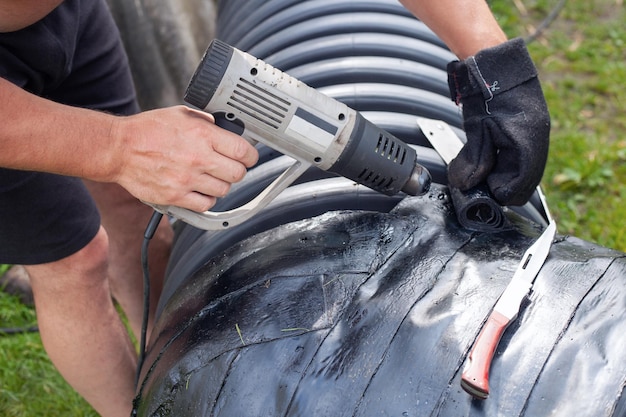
{"type": "Point", "coordinates": [239, 173]}
{"type": "Point", "coordinates": [241, 148]}
{"type": "Point", "coordinates": [222, 189]}
{"type": "Point", "coordinates": [245, 152]}
{"type": "Point", "coordinates": [209, 202]}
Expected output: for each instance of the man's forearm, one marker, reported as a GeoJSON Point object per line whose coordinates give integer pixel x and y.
{"type": "Point", "coordinates": [171, 156]}
{"type": "Point", "coordinates": [40, 135]}
{"type": "Point", "coordinates": [466, 26]}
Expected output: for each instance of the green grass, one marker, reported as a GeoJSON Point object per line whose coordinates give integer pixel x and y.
{"type": "Point", "coordinates": [29, 383]}
{"type": "Point", "coordinates": [582, 66]}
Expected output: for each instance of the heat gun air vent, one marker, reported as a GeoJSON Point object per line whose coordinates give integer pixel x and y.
{"type": "Point", "coordinates": [374, 179]}
{"type": "Point", "coordinates": [389, 149]}
{"type": "Point", "coordinates": [258, 103]}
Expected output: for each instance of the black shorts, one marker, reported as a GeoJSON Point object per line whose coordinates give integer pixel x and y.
{"type": "Point", "coordinates": [72, 56]}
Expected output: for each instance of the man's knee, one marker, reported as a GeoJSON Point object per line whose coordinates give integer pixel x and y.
{"type": "Point", "coordinates": [94, 256]}
{"type": "Point", "coordinates": [84, 269]}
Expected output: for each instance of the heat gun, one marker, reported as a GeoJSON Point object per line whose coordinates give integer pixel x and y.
{"type": "Point", "coordinates": [263, 104]}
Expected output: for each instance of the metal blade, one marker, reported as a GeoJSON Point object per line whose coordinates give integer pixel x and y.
{"type": "Point", "coordinates": [509, 303]}
{"type": "Point", "coordinates": [441, 136]}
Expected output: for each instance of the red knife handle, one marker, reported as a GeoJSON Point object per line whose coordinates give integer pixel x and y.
{"type": "Point", "coordinates": [475, 378]}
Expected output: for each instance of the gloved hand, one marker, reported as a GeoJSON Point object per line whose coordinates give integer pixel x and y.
{"type": "Point", "coordinates": [506, 122]}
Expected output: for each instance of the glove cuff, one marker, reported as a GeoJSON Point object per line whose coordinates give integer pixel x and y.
{"type": "Point", "coordinates": [491, 71]}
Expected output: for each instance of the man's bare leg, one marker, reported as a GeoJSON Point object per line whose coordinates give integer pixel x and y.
{"type": "Point", "coordinates": [125, 219]}
{"type": "Point", "coordinates": [81, 329]}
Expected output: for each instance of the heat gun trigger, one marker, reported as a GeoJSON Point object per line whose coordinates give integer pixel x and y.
{"type": "Point", "coordinates": [230, 122]}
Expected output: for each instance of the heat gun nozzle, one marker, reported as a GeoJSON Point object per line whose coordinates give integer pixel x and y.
{"type": "Point", "coordinates": [419, 181]}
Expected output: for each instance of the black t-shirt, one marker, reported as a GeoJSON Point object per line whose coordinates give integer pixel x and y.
{"type": "Point", "coordinates": [74, 56]}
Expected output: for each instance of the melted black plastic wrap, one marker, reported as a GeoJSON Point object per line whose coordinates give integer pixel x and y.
{"type": "Point", "coordinates": [477, 210]}
{"type": "Point", "coordinates": [361, 313]}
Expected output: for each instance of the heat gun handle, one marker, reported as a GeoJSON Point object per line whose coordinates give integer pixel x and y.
{"type": "Point", "coordinates": [210, 220]}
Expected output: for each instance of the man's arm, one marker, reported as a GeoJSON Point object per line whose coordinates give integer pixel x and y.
{"type": "Point", "coordinates": [466, 26]}
{"type": "Point", "coordinates": [173, 156]}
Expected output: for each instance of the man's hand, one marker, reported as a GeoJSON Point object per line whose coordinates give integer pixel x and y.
{"type": "Point", "coordinates": [506, 121]}
{"type": "Point", "coordinates": [173, 156]}
{"type": "Point", "coordinates": [178, 156]}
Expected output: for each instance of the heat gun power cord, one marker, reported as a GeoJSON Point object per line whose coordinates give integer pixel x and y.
{"type": "Point", "coordinates": [546, 22]}
{"type": "Point", "coordinates": [147, 236]}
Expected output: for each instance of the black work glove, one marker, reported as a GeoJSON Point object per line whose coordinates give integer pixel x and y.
{"type": "Point", "coordinates": [506, 122]}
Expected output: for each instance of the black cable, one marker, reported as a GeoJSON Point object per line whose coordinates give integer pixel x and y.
{"type": "Point", "coordinates": [5, 331]}
{"type": "Point", "coordinates": [551, 17]}
{"type": "Point", "coordinates": [148, 234]}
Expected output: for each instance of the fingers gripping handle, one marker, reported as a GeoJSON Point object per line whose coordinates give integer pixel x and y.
{"type": "Point", "coordinates": [210, 220]}
{"type": "Point", "coordinates": [475, 378]}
